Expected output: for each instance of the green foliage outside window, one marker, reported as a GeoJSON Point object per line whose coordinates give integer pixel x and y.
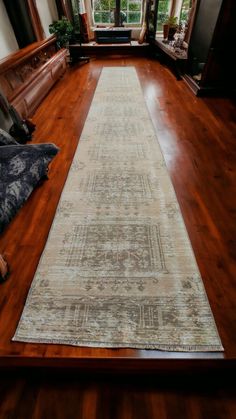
{"type": "Point", "coordinates": [163, 13]}
{"type": "Point", "coordinates": [134, 7]}
{"type": "Point", "coordinates": [103, 11]}
{"type": "Point", "coordinates": [185, 11]}
{"type": "Point", "coordinates": [133, 17]}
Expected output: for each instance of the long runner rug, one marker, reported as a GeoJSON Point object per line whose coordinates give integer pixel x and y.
{"type": "Point", "coordinates": [118, 269]}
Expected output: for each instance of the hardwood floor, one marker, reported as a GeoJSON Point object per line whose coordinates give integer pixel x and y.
{"type": "Point", "coordinates": [72, 396]}
{"type": "Point", "coordinates": [197, 137]}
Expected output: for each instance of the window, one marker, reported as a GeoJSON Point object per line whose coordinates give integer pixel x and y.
{"type": "Point", "coordinates": [104, 10]}
{"type": "Point", "coordinates": [179, 8]}
{"type": "Point", "coordinates": [25, 21]}
{"type": "Point", "coordinates": [184, 13]}
{"type": "Point", "coordinates": [164, 7]}
{"type": "Point", "coordinates": [132, 10]}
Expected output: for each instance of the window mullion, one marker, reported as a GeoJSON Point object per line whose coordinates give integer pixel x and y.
{"type": "Point", "coordinates": [117, 13]}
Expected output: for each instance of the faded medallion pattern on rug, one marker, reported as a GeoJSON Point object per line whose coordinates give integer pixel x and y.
{"type": "Point", "coordinates": [118, 269]}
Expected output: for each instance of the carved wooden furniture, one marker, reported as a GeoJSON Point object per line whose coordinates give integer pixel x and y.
{"type": "Point", "coordinates": [27, 75]}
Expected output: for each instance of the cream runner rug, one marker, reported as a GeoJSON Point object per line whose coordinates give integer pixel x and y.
{"type": "Point", "coordinates": [118, 269]}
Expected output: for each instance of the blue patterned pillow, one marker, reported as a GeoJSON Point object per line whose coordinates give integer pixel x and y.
{"type": "Point", "coordinates": [6, 139]}
{"type": "Point", "coordinates": [21, 168]}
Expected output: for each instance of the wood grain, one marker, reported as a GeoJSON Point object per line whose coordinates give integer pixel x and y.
{"type": "Point", "coordinates": [49, 395]}
{"type": "Point", "coordinates": [27, 75]}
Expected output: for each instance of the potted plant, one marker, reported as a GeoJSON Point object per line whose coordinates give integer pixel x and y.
{"type": "Point", "coordinates": [63, 29]}
{"type": "Point", "coordinates": [170, 27]}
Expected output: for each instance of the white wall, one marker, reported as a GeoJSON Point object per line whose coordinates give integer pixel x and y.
{"type": "Point", "coordinates": [47, 13]}
{"type": "Point", "coordinates": [8, 43]}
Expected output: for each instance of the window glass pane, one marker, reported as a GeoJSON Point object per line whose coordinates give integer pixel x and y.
{"type": "Point", "coordinates": [124, 4]}
{"type": "Point", "coordinates": [96, 5]}
{"type": "Point", "coordinates": [103, 11]}
{"type": "Point", "coordinates": [106, 17]}
{"type": "Point", "coordinates": [104, 7]}
{"type": "Point", "coordinates": [102, 17]}
{"type": "Point", "coordinates": [164, 8]}
{"type": "Point", "coordinates": [97, 17]}
{"type": "Point", "coordinates": [186, 5]}
{"type": "Point", "coordinates": [133, 17]}
{"type": "Point", "coordinates": [163, 12]}
{"type": "Point", "coordinates": [134, 7]}
{"type": "Point", "coordinates": [132, 10]}
{"type": "Point", "coordinates": [105, 4]}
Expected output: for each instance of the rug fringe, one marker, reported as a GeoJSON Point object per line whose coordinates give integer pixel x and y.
{"type": "Point", "coordinates": [160, 347]}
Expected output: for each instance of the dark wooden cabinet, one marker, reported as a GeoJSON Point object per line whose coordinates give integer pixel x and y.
{"type": "Point", "coordinates": [211, 54]}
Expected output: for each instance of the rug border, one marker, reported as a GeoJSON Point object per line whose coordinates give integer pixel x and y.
{"type": "Point", "coordinates": [159, 347]}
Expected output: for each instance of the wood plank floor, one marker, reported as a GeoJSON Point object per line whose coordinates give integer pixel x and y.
{"type": "Point", "coordinates": [198, 140]}
{"type": "Point", "coordinates": [72, 396]}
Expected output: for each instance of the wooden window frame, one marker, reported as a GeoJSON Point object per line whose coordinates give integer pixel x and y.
{"type": "Point", "coordinates": [35, 19]}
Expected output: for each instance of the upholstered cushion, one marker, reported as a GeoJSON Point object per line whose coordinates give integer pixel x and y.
{"type": "Point", "coordinates": [21, 168]}
{"type": "Point", "coordinates": [6, 139]}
